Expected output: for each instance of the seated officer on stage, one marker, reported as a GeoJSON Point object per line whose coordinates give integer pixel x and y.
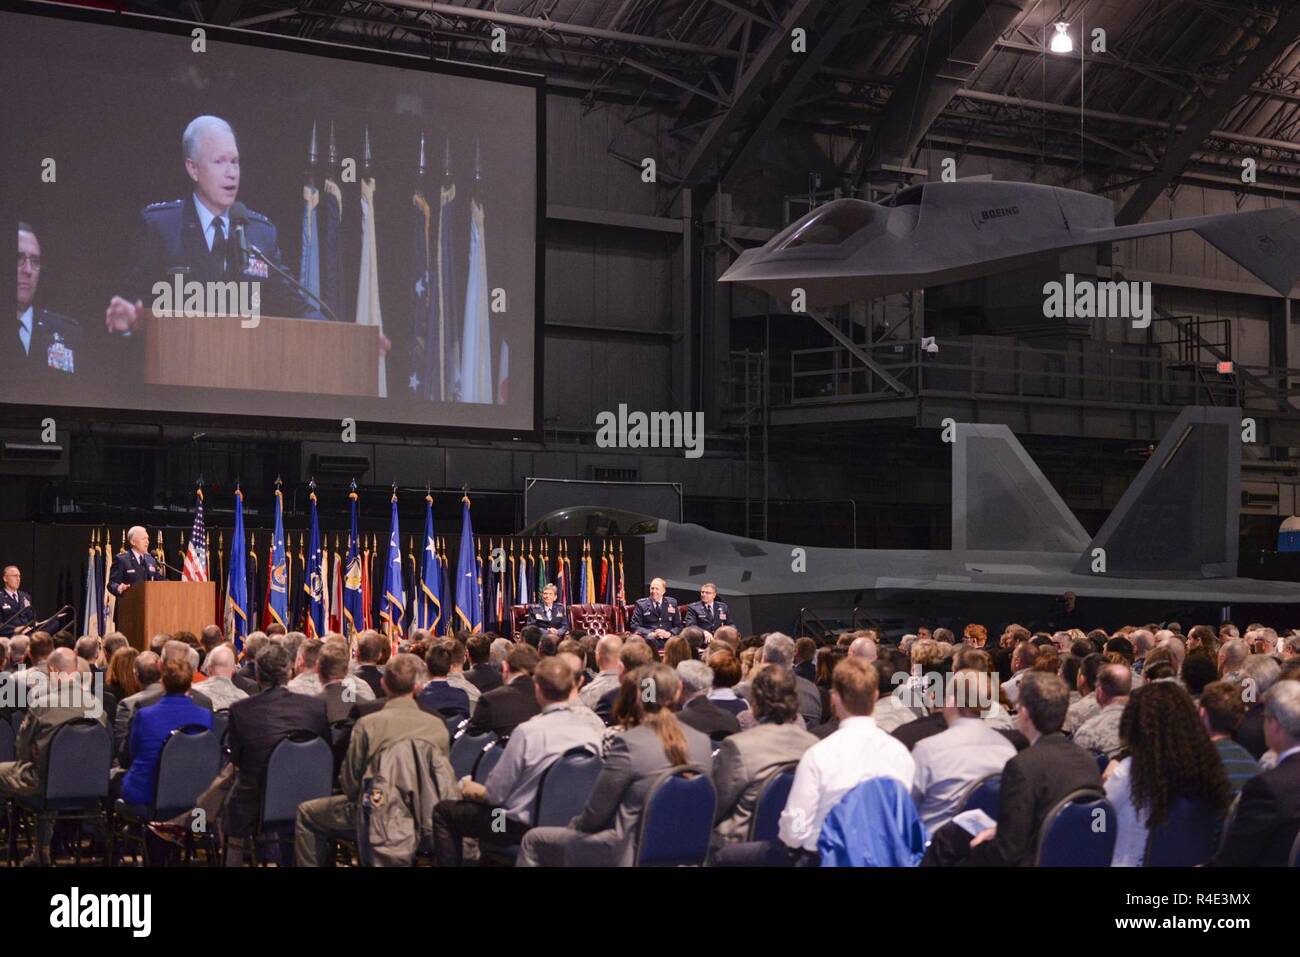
{"type": "Point", "coordinates": [15, 606]}
{"type": "Point", "coordinates": [550, 614]}
{"type": "Point", "coordinates": [656, 617]}
{"type": "Point", "coordinates": [193, 236]}
{"type": "Point", "coordinates": [135, 565]}
{"type": "Point", "coordinates": [708, 613]}
{"type": "Point", "coordinates": [49, 345]}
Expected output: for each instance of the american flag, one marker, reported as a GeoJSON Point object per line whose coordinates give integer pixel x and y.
{"type": "Point", "coordinates": [196, 553]}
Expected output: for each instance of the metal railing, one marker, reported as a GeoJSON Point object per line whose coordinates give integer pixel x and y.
{"type": "Point", "coordinates": [991, 367]}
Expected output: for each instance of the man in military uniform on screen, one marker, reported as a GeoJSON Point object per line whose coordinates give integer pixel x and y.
{"type": "Point", "coordinates": [194, 237]}
{"type": "Point", "coordinates": [47, 345]}
{"type": "Point", "coordinates": [16, 613]}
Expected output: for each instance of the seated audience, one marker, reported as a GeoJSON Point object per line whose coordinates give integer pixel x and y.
{"type": "Point", "coordinates": [726, 675]}
{"type": "Point", "coordinates": [1100, 733]}
{"type": "Point", "coordinates": [1167, 756]}
{"type": "Point", "coordinates": [483, 673]}
{"type": "Point", "coordinates": [697, 710]}
{"type": "Point", "coordinates": [322, 820]}
{"type": "Point", "coordinates": [154, 724]}
{"type": "Point", "coordinates": [745, 761]}
{"type": "Point", "coordinates": [949, 763]}
{"type": "Point", "coordinates": [1257, 674]}
{"type": "Point", "coordinates": [502, 709]}
{"type": "Point", "coordinates": [604, 834]}
{"type": "Point", "coordinates": [372, 649]}
{"type": "Point", "coordinates": [636, 651]}
{"type": "Point", "coordinates": [257, 725]}
{"type": "Point", "coordinates": [778, 652]}
{"type": "Point", "coordinates": [831, 768]}
{"type": "Point", "coordinates": [609, 669]}
{"type": "Point", "coordinates": [561, 726]}
{"type": "Point", "coordinates": [456, 676]}
{"type": "Point", "coordinates": [1221, 709]}
{"type": "Point", "coordinates": [62, 698]}
{"type": "Point", "coordinates": [1264, 827]}
{"type": "Point", "coordinates": [1032, 783]}
{"type": "Point", "coordinates": [440, 697]}
{"type": "Point", "coordinates": [220, 686]}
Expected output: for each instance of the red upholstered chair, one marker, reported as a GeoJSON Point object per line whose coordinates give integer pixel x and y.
{"type": "Point", "coordinates": [593, 619]}
{"type": "Point", "coordinates": [627, 610]}
{"type": "Point", "coordinates": [518, 618]}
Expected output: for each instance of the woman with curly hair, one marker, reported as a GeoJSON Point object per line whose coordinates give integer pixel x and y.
{"type": "Point", "coordinates": [1167, 756]}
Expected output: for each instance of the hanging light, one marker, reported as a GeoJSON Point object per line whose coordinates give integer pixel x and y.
{"type": "Point", "coordinates": [1061, 42]}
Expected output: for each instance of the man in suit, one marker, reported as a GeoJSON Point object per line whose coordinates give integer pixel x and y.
{"type": "Point", "coordinates": [1264, 828]}
{"type": "Point", "coordinates": [439, 697]}
{"type": "Point", "coordinates": [257, 725]}
{"type": "Point", "coordinates": [322, 820]}
{"type": "Point", "coordinates": [656, 618]}
{"type": "Point", "coordinates": [746, 761]}
{"type": "Point", "coordinates": [504, 708]}
{"type": "Point", "coordinates": [135, 565]}
{"type": "Point", "coordinates": [707, 614]}
{"type": "Point", "coordinates": [15, 605]}
{"type": "Point", "coordinates": [48, 345]}
{"type": "Point", "coordinates": [193, 237]}
{"type": "Point", "coordinates": [550, 615]}
{"type": "Point", "coordinates": [52, 706]}
{"type": "Point", "coordinates": [483, 674]}
{"type": "Point", "coordinates": [1033, 782]}
{"type": "Point", "coordinates": [698, 711]}
{"type": "Point", "coordinates": [370, 650]}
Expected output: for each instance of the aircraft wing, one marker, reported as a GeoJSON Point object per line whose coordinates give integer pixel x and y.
{"type": "Point", "coordinates": [1265, 242]}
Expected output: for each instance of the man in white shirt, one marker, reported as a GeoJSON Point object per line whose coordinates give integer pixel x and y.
{"type": "Point", "coordinates": [949, 763]}
{"type": "Point", "coordinates": [855, 753]}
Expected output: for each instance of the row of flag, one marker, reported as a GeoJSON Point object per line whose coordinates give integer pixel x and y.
{"type": "Point", "coordinates": [451, 337]}
{"type": "Point", "coordinates": [319, 590]}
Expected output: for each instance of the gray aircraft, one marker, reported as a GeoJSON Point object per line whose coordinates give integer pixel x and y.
{"type": "Point", "coordinates": [934, 233]}
{"type": "Point", "coordinates": [1168, 549]}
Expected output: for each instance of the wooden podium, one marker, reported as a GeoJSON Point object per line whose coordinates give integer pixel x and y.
{"type": "Point", "coordinates": [276, 355]}
{"type": "Point", "coordinates": [153, 608]}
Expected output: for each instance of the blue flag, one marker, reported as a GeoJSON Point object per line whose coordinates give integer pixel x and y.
{"type": "Point", "coordinates": [469, 590]}
{"type": "Point", "coordinates": [476, 344]}
{"type": "Point", "coordinates": [392, 607]}
{"type": "Point", "coordinates": [236, 623]}
{"type": "Point", "coordinates": [313, 582]}
{"type": "Point", "coordinates": [353, 610]}
{"type": "Point", "coordinates": [279, 570]}
{"type": "Point", "coordinates": [430, 602]}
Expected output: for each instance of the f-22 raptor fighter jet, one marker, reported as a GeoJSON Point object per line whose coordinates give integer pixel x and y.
{"type": "Point", "coordinates": [1168, 549]}
{"type": "Point", "coordinates": [936, 233]}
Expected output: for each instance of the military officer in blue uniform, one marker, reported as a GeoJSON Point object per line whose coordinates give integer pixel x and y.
{"type": "Point", "coordinates": [708, 613]}
{"type": "Point", "coordinates": [193, 237]}
{"type": "Point", "coordinates": [135, 565]}
{"type": "Point", "coordinates": [656, 618]}
{"type": "Point", "coordinates": [48, 345]}
{"type": "Point", "coordinates": [550, 614]}
{"type": "Point", "coordinates": [16, 613]}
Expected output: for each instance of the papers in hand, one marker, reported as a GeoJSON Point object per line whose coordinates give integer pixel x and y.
{"type": "Point", "coordinates": [974, 821]}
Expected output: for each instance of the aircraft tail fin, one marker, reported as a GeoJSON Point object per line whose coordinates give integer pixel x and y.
{"type": "Point", "coordinates": [1001, 501]}
{"type": "Point", "coordinates": [1179, 518]}
{"type": "Point", "coordinates": [1266, 242]}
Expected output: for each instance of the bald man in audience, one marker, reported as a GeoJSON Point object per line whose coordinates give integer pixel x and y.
{"type": "Point", "coordinates": [220, 686]}
{"type": "Point", "coordinates": [64, 699]}
{"type": "Point", "coordinates": [608, 660]}
{"type": "Point", "coordinates": [1100, 733]}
